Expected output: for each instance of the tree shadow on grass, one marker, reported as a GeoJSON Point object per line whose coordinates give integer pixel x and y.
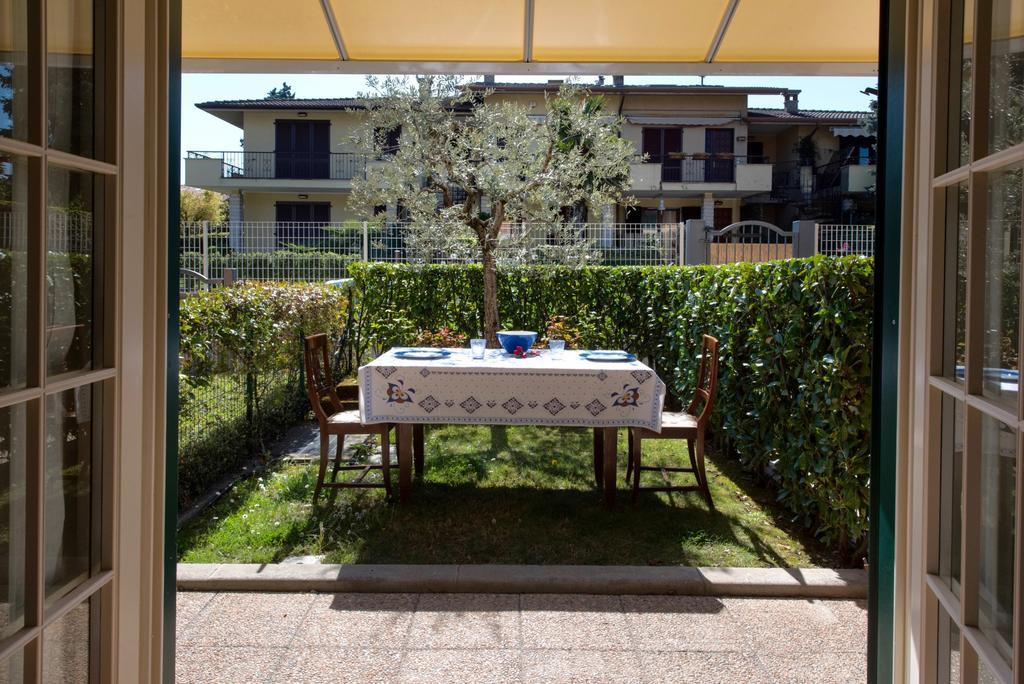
{"type": "Point", "coordinates": [522, 496]}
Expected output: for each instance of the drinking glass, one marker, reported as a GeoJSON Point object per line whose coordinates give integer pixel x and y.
{"type": "Point", "coordinates": [478, 346]}
{"type": "Point", "coordinates": [556, 347]}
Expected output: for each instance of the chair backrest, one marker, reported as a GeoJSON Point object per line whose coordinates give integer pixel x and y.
{"type": "Point", "coordinates": [323, 395]}
{"type": "Point", "coordinates": [707, 382]}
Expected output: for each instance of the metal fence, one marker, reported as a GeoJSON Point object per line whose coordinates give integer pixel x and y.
{"type": "Point", "coordinates": [842, 240]}
{"type": "Point", "coordinates": [320, 252]}
{"type": "Point", "coordinates": [66, 232]}
{"type": "Point", "coordinates": [311, 252]}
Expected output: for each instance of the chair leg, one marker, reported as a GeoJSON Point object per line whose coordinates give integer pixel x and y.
{"type": "Point", "coordinates": [629, 453]}
{"type": "Point", "coordinates": [598, 457]}
{"type": "Point", "coordinates": [325, 443]}
{"type": "Point", "coordinates": [385, 460]}
{"type": "Point", "coordinates": [337, 457]}
{"type": "Point", "coordinates": [417, 450]}
{"type": "Point", "coordinates": [635, 448]}
{"type": "Point", "coordinates": [703, 474]}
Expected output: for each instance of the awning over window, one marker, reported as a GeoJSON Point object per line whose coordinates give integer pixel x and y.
{"type": "Point", "coordinates": [679, 121]}
{"type": "Point", "coordinates": [523, 36]}
{"type": "Point", "coordinates": [850, 132]}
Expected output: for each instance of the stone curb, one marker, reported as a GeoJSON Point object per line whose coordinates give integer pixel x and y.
{"type": "Point", "coordinates": [526, 579]}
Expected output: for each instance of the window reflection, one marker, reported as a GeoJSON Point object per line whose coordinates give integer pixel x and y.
{"type": "Point", "coordinates": [1002, 287]}
{"type": "Point", "coordinates": [13, 271]}
{"type": "Point", "coordinates": [66, 647]}
{"type": "Point", "coordinates": [71, 76]}
{"type": "Point", "coordinates": [1006, 95]}
{"type": "Point", "coordinates": [70, 301]}
{"type": "Point", "coordinates": [961, 70]}
{"type": "Point", "coordinates": [996, 540]}
{"type": "Point", "coordinates": [954, 343]}
{"type": "Point", "coordinates": [71, 491]}
{"type": "Point", "coordinates": [13, 68]}
{"type": "Point", "coordinates": [951, 485]}
{"type": "Point", "coordinates": [13, 478]}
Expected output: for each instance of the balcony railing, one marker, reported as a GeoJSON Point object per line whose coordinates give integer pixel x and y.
{"type": "Point", "coordinates": [287, 165]}
{"type": "Point", "coordinates": [700, 167]}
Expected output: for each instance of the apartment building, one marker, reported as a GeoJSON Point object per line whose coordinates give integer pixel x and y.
{"type": "Point", "coordinates": [701, 152]}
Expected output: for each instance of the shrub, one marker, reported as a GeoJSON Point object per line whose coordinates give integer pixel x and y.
{"type": "Point", "coordinates": [795, 341]}
{"type": "Point", "coordinates": [241, 371]}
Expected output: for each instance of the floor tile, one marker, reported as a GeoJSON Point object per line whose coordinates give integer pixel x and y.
{"type": "Point", "coordinates": [701, 668]}
{"type": "Point", "coordinates": [460, 667]}
{"type": "Point", "coordinates": [250, 620]}
{"type": "Point", "coordinates": [572, 666]}
{"type": "Point", "coordinates": [365, 621]}
{"type": "Point", "coordinates": [321, 665]}
{"type": "Point", "coordinates": [682, 623]}
{"type": "Point", "coordinates": [784, 626]}
{"type": "Point", "coordinates": [188, 606]}
{"type": "Point", "coordinates": [820, 668]}
{"type": "Point", "coordinates": [466, 621]}
{"type": "Point", "coordinates": [227, 664]}
{"type": "Point", "coordinates": [575, 622]}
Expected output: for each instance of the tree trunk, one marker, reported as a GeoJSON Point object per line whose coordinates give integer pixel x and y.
{"type": "Point", "coordinates": [490, 295]}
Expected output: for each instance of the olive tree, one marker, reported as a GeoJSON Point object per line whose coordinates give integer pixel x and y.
{"type": "Point", "coordinates": [462, 166]}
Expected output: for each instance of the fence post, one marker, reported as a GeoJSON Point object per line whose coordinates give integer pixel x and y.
{"type": "Point", "coordinates": [366, 242]}
{"type": "Point", "coordinates": [681, 239]}
{"type": "Point", "coordinates": [206, 249]}
{"type": "Point", "coordinates": [805, 241]}
{"type": "Point", "coordinates": [695, 243]}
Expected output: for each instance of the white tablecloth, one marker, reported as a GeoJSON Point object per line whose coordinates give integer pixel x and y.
{"type": "Point", "coordinates": [567, 391]}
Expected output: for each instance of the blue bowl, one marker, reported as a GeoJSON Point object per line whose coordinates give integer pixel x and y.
{"type": "Point", "coordinates": [510, 339]}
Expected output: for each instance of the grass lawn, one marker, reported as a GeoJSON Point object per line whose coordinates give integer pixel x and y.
{"type": "Point", "coordinates": [504, 495]}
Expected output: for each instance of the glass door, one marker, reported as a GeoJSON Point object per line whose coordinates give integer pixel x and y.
{"type": "Point", "coordinates": [976, 415]}
{"type": "Point", "coordinates": [57, 372]}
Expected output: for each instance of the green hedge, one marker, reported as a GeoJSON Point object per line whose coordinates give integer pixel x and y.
{"type": "Point", "coordinates": [241, 380]}
{"type": "Point", "coordinates": [794, 392]}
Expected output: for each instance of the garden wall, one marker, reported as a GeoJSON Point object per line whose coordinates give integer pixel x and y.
{"type": "Point", "coordinates": [794, 394]}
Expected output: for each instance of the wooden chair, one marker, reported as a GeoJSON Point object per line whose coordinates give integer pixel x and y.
{"type": "Point", "coordinates": [690, 425]}
{"type": "Point", "coordinates": [333, 420]}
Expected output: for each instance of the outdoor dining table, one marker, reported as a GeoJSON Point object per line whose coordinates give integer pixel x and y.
{"type": "Point", "coordinates": [558, 390]}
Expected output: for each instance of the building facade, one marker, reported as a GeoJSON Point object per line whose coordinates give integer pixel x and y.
{"type": "Point", "coordinates": [701, 153]}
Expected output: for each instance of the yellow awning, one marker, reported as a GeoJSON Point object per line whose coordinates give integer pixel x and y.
{"type": "Point", "coordinates": [523, 36]}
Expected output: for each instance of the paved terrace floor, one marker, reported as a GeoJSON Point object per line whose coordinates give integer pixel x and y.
{"type": "Point", "coordinates": [477, 638]}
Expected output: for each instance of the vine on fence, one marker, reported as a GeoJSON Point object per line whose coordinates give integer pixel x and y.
{"type": "Point", "coordinates": [241, 371]}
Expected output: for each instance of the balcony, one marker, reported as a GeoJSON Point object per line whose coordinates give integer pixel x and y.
{"type": "Point", "coordinates": [702, 173]}
{"type": "Point", "coordinates": [838, 179]}
{"type": "Point", "coordinates": [224, 170]}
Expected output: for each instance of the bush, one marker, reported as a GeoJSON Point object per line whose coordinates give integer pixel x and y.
{"type": "Point", "coordinates": [795, 344]}
{"type": "Point", "coordinates": [241, 377]}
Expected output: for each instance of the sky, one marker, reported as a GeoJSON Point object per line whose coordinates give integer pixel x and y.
{"type": "Point", "coordinates": [201, 131]}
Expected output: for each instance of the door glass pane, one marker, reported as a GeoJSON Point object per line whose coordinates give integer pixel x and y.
{"type": "Point", "coordinates": [951, 483]}
{"type": "Point", "coordinates": [961, 76]}
{"type": "Point", "coordinates": [998, 494]}
{"type": "Point", "coordinates": [1002, 287]}
{"type": "Point", "coordinates": [66, 645]}
{"type": "Point", "coordinates": [1006, 95]}
{"type": "Point", "coordinates": [72, 492]}
{"type": "Point", "coordinates": [13, 476]}
{"type": "Point", "coordinates": [13, 273]}
{"type": "Point", "coordinates": [72, 77]}
{"type": "Point", "coordinates": [70, 298]}
{"type": "Point", "coordinates": [948, 651]}
{"type": "Point", "coordinates": [955, 324]}
{"type": "Point", "coordinates": [13, 68]}
{"type": "Point", "coordinates": [12, 670]}
{"type": "Point", "coordinates": [985, 675]}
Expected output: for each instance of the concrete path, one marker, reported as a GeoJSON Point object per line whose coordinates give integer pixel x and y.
{"type": "Point", "coordinates": [478, 638]}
